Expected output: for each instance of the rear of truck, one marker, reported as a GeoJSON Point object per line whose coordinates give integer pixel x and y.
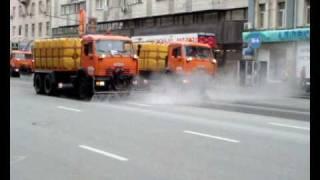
{"type": "Point", "coordinates": [92, 64]}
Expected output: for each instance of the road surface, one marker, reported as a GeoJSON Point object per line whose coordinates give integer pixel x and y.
{"type": "Point", "coordinates": [63, 138]}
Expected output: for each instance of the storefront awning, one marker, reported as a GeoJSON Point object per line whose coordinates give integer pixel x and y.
{"type": "Point", "coordinates": [298, 34]}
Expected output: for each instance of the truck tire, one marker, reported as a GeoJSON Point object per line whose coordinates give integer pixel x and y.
{"type": "Point", "coordinates": [38, 84]}
{"type": "Point", "coordinates": [49, 84]}
{"type": "Point", "coordinates": [85, 91]}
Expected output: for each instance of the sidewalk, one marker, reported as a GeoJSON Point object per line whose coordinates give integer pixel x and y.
{"type": "Point", "coordinates": [269, 101]}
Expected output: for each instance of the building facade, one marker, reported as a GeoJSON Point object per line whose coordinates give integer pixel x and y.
{"type": "Point", "coordinates": [224, 18]}
{"type": "Point", "coordinates": [282, 28]}
{"type": "Point", "coordinates": [29, 20]}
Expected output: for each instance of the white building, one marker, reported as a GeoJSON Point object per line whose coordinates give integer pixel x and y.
{"type": "Point", "coordinates": [29, 20]}
{"type": "Point", "coordinates": [283, 27]}
{"type": "Point", "coordinates": [224, 18]}
{"type": "Point", "coordinates": [110, 10]}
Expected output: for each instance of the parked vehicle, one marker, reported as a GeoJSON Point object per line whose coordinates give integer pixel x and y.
{"type": "Point", "coordinates": [21, 62]}
{"type": "Point", "coordinates": [92, 64]}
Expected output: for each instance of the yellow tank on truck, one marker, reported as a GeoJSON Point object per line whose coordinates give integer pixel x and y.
{"type": "Point", "coordinates": [62, 54]}
{"type": "Point", "coordinates": [152, 56]}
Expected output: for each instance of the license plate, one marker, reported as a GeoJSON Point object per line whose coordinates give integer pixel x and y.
{"type": "Point", "coordinates": [118, 64]}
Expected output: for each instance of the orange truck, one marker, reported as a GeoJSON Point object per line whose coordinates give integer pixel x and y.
{"type": "Point", "coordinates": [91, 64]}
{"type": "Point", "coordinates": [21, 61]}
{"type": "Point", "coordinates": [182, 59]}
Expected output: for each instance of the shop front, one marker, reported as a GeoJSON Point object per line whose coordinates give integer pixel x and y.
{"type": "Point", "coordinates": [285, 54]}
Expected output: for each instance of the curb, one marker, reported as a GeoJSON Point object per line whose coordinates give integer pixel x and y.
{"type": "Point", "coordinates": [266, 111]}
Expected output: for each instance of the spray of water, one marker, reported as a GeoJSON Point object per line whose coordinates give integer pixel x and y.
{"type": "Point", "coordinates": [200, 88]}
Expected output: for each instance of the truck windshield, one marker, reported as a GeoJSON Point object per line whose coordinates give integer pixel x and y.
{"type": "Point", "coordinates": [114, 47]}
{"type": "Point", "coordinates": [198, 52]}
{"type": "Point", "coordinates": [23, 56]}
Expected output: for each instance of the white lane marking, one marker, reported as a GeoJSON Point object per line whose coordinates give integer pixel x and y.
{"type": "Point", "coordinates": [289, 126]}
{"type": "Point", "coordinates": [139, 104]}
{"type": "Point", "coordinates": [68, 109]}
{"type": "Point", "coordinates": [114, 156]}
{"type": "Point", "coordinates": [210, 136]}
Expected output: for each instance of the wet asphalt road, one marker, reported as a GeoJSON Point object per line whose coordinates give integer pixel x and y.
{"type": "Point", "coordinates": [63, 138]}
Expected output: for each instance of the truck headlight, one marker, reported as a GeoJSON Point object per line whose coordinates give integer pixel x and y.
{"type": "Point", "coordinates": [145, 81]}
{"type": "Point", "coordinates": [214, 61]}
{"type": "Point", "coordinates": [100, 83]}
{"type": "Point", "coordinates": [189, 59]}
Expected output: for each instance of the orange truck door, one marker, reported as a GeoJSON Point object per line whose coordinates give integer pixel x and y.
{"type": "Point", "coordinates": [87, 56]}
{"type": "Point", "coordinates": [175, 58]}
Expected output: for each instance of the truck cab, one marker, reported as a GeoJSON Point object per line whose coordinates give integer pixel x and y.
{"type": "Point", "coordinates": [21, 61]}
{"type": "Point", "coordinates": [110, 60]}
{"type": "Point", "coordinates": [189, 57]}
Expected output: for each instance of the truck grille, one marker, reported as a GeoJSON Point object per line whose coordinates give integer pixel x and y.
{"type": "Point", "coordinates": [122, 71]}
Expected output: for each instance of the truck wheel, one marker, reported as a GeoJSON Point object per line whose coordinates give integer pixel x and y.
{"type": "Point", "coordinates": [38, 84]}
{"type": "Point", "coordinates": [49, 86]}
{"type": "Point", "coordinates": [85, 88]}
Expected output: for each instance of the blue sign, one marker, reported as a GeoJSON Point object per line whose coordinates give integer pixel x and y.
{"type": "Point", "coordinates": [254, 41]}
{"type": "Point", "coordinates": [299, 34]}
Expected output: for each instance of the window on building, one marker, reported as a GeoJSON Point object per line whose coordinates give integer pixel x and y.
{"type": "Point", "coordinates": [48, 28]}
{"type": "Point", "coordinates": [20, 30]}
{"type": "Point", "coordinates": [281, 14]}
{"type": "Point", "coordinates": [48, 5]}
{"type": "Point", "coordinates": [20, 11]}
{"type": "Point", "coordinates": [67, 10]}
{"type": "Point", "coordinates": [40, 7]}
{"type": "Point", "coordinates": [245, 12]}
{"type": "Point", "coordinates": [63, 10]}
{"type": "Point", "coordinates": [32, 30]}
{"type": "Point", "coordinates": [262, 14]}
{"type": "Point", "coordinates": [148, 22]}
{"type": "Point", "coordinates": [178, 20]}
{"type": "Point", "coordinates": [72, 8]}
{"type": "Point", "coordinates": [237, 15]}
{"type": "Point", "coordinates": [198, 18]}
{"type": "Point", "coordinates": [13, 12]}
{"type": "Point", "coordinates": [33, 9]}
{"type": "Point", "coordinates": [211, 17]}
{"type": "Point", "coordinates": [40, 29]}
{"type": "Point", "coordinates": [82, 5]}
{"type": "Point", "coordinates": [13, 30]}
{"type": "Point", "coordinates": [100, 4]}
{"type": "Point", "coordinates": [187, 19]}
{"type": "Point", "coordinates": [307, 12]}
{"type": "Point", "coordinates": [228, 15]}
{"type": "Point", "coordinates": [26, 30]}
{"type": "Point", "coordinates": [167, 21]}
{"type": "Point", "coordinates": [77, 8]}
